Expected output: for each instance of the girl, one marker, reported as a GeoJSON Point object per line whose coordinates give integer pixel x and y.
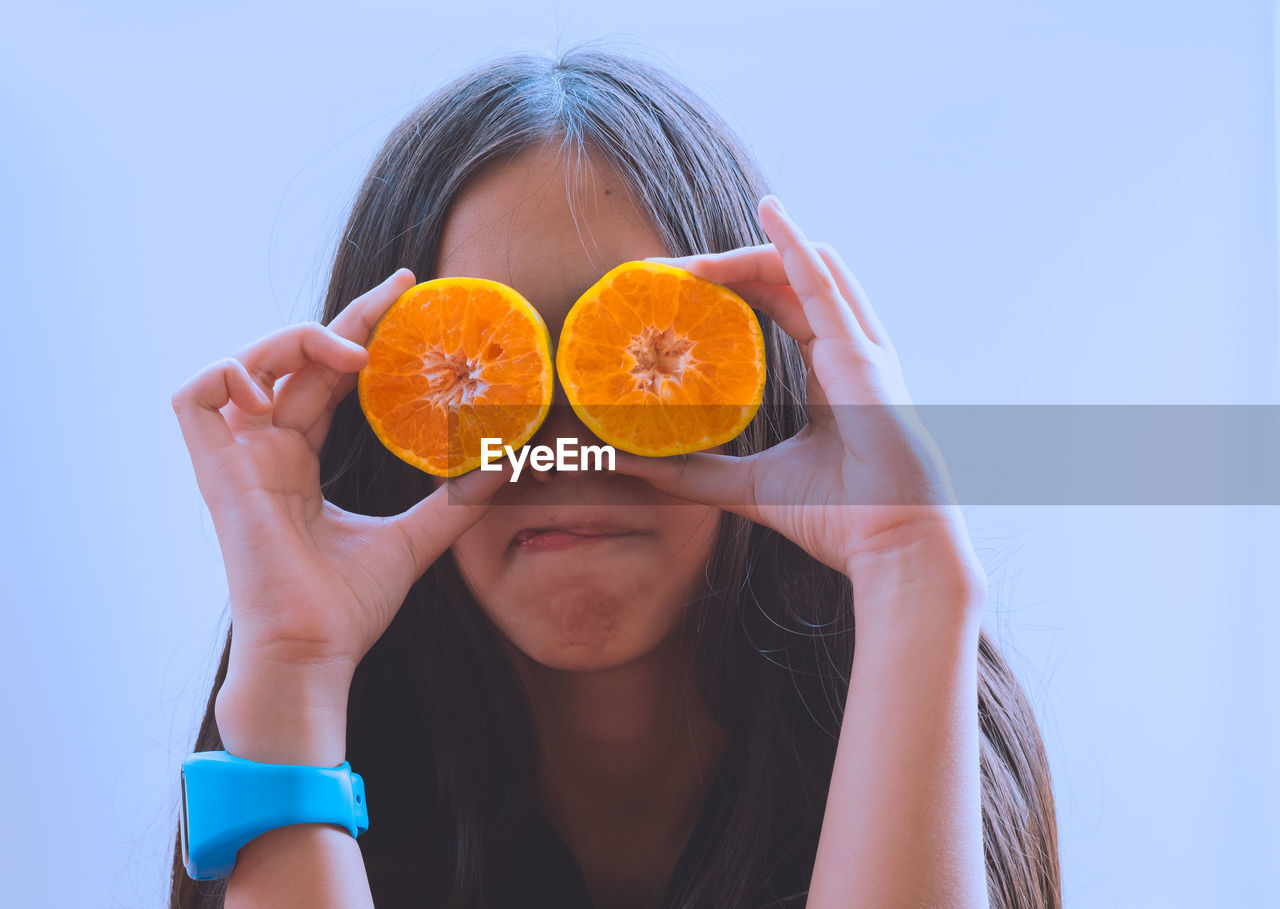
{"type": "Point", "coordinates": [626, 689]}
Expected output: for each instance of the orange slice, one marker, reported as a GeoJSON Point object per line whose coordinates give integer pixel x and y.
{"type": "Point", "coordinates": [657, 361]}
{"type": "Point", "coordinates": [452, 361]}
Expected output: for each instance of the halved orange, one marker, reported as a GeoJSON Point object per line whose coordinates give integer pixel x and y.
{"type": "Point", "coordinates": [657, 361]}
{"type": "Point", "coordinates": [452, 361]}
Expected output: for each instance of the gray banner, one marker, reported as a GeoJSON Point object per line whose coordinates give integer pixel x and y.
{"type": "Point", "coordinates": [1109, 454]}
{"type": "Point", "coordinates": [1070, 454]}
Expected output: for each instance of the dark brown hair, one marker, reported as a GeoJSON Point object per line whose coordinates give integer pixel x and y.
{"type": "Point", "coordinates": [438, 720]}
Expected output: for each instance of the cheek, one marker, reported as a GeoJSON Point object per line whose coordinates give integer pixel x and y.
{"type": "Point", "coordinates": [473, 553]}
{"type": "Point", "coordinates": [691, 541]}
{"type": "Point", "coordinates": [680, 571]}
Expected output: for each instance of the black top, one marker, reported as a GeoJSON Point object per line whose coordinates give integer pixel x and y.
{"type": "Point", "coordinates": [544, 870]}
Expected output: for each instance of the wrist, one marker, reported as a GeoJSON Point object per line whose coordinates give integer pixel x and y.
{"type": "Point", "coordinates": [284, 714]}
{"type": "Point", "coordinates": [928, 582]}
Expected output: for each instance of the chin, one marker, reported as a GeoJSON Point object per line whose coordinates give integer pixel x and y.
{"type": "Point", "coordinates": [565, 656]}
{"type": "Point", "coordinates": [582, 636]}
{"type": "Point", "coordinates": [565, 659]}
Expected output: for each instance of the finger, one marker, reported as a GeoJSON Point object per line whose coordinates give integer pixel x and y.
{"type": "Point", "coordinates": [319, 430]}
{"type": "Point", "coordinates": [358, 319]}
{"type": "Point", "coordinates": [340, 382]}
{"type": "Point", "coordinates": [198, 406]}
{"type": "Point", "coordinates": [857, 297]}
{"type": "Point", "coordinates": [747, 263]}
{"type": "Point", "coordinates": [307, 397]}
{"type": "Point", "coordinates": [766, 287]}
{"type": "Point", "coordinates": [286, 351]}
{"type": "Point", "coordinates": [758, 275]}
{"type": "Point", "coordinates": [780, 303]}
{"type": "Point", "coordinates": [312, 394]}
{"type": "Point", "coordinates": [431, 526]}
{"type": "Point", "coordinates": [775, 298]}
{"type": "Point", "coordinates": [830, 314]}
{"type": "Point", "coordinates": [708, 479]}
{"type": "Point", "coordinates": [763, 265]}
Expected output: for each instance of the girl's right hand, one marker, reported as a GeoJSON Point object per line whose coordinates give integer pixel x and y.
{"type": "Point", "coordinates": [309, 582]}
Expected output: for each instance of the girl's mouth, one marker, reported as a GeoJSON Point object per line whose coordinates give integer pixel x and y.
{"type": "Point", "coordinates": [542, 539]}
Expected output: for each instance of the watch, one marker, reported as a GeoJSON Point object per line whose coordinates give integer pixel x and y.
{"type": "Point", "coordinates": [227, 801]}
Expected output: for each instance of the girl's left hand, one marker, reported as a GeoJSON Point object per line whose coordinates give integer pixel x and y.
{"type": "Point", "coordinates": [862, 483]}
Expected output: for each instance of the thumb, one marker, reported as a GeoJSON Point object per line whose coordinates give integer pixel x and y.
{"type": "Point", "coordinates": [432, 525]}
{"type": "Point", "coordinates": [708, 479]}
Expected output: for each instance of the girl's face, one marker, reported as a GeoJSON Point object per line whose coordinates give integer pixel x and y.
{"type": "Point", "coordinates": [598, 602]}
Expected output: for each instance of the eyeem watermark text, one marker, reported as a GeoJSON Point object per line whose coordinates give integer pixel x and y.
{"type": "Point", "coordinates": [567, 455]}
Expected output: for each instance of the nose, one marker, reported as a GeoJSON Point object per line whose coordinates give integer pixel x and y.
{"type": "Point", "coordinates": [561, 423]}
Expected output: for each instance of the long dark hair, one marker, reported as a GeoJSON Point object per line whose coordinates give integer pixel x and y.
{"type": "Point", "coordinates": [438, 720]}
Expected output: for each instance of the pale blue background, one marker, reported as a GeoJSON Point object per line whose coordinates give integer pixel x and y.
{"type": "Point", "coordinates": [1065, 204]}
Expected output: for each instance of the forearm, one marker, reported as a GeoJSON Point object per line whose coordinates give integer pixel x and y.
{"type": "Point", "coordinates": [903, 822]}
{"type": "Point", "coordinates": [286, 715]}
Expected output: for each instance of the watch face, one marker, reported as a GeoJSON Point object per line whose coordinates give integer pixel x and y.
{"type": "Point", "coordinates": [183, 817]}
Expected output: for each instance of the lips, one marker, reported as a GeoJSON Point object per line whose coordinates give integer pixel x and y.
{"type": "Point", "coordinates": [588, 529]}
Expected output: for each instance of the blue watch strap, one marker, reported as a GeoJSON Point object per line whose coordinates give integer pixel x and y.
{"type": "Point", "coordinates": [228, 801]}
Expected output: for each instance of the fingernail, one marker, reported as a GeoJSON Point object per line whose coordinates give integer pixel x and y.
{"type": "Point", "coordinates": [776, 203]}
